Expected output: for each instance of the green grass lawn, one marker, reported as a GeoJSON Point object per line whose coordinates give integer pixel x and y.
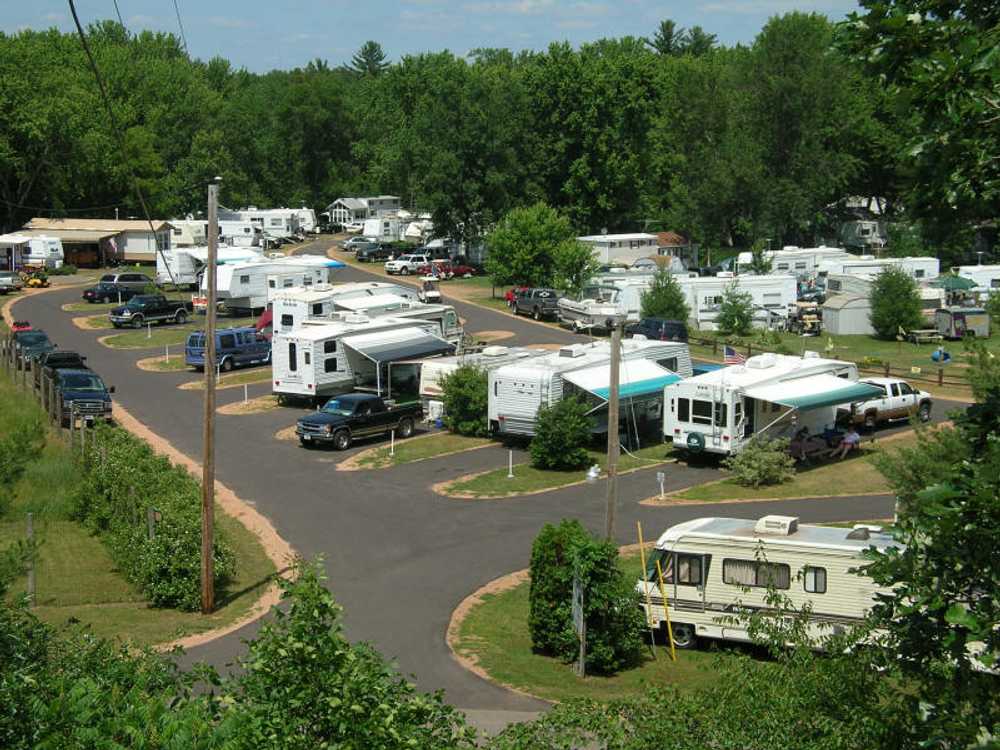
{"type": "Point", "coordinates": [76, 579]}
{"type": "Point", "coordinates": [418, 449]}
{"type": "Point", "coordinates": [529, 479]}
{"type": "Point", "coordinates": [174, 363]}
{"type": "Point", "coordinates": [168, 335]}
{"type": "Point", "coordinates": [240, 377]}
{"type": "Point", "coordinates": [855, 475]}
{"type": "Point", "coordinates": [496, 634]}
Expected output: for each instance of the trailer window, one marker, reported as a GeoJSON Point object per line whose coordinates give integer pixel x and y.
{"type": "Point", "coordinates": [756, 574]}
{"type": "Point", "coordinates": [293, 359]}
{"type": "Point", "coordinates": [814, 580]}
{"type": "Point", "coordinates": [245, 279]}
{"type": "Point", "coordinates": [287, 320]}
{"type": "Point", "coordinates": [308, 357]}
{"type": "Point", "coordinates": [683, 410]}
{"type": "Point", "coordinates": [689, 570]}
{"type": "Point", "coordinates": [317, 308]}
{"type": "Point", "coordinates": [721, 414]}
{"type": "Point", "coordinates": [329, 347]}
{"type": "Point", "coordinates": [701, 411]}
{"type": "Point", "coordinates": [330, 365]}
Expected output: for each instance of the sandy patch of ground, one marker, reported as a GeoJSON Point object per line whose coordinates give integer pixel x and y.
{"type": "Point", "coordinates": [286, 433]}
{"type": "Point", "coordinates": [222, 383]}
{"type": "Point", "coordinates": [491, 336]}
{"type": "Point", "coordinates": [251, 406]}
{"type": "Point", "coordinates": [83, 321]}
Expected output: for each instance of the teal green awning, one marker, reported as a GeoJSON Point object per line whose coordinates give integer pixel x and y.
{"type": "Point", "coordinates": [815, 392]}
{"type": "Point", "coordinates": [635, 378]}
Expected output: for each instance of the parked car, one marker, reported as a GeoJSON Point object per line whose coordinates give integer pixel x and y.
{"type": "Point", "coordinates": [29, 344]}
{"type": "Point", "coordinates": [135, 281]}
{"type": "Point", "coordinates": [117, 287]}
{"type": "Point", "coordinates": [356, 415]}
{"type": "Point", "coordinates": [234, 347]}
{"type": "Point", "coordinates": [659, 329]}
{"type": "Point", "coordinates": [900, 401]}
{"type": "Point", "coordinates": [83, 391]}
{"type": "Point", "coordinates": [354, 227]}
{"type": "Point", "coordinates": [49, 362]}
{"type": "Point", "coordinates": [150, 308]}
{"type": "Point", "coordinates": [10, 282]}
{"type": "Point", "coordinates": [537, 302]}
{"type": "Point", "coordinates": [374, 253]}
{"type": "Point", "coordinates": [356, 243]}
{"type": "Point", "coordinates": [406, 264]}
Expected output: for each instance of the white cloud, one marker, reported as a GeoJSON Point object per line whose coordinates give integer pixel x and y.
{"type": "Point", "coordinates": [515, 7]}
{"type": "Point", "coordinates": [227, 22]}
{"type": "Point", "coordinates": [54, 17]}
{"type": "Point", "coordinates": [767, 7]}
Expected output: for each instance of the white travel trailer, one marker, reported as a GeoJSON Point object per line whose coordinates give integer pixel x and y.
{"type": "Point", "coordinates": [240, 233]}
{"type": "Point", "coordinates": [518, 390]}
{"type": "Point", "coordinates": [307, 220]}
{"type": "Point", "coordinates": [920, 268]}
{"type": "Point", "coordinates": [715, 567]}
{"type": "Point", "coordinates": [350, 353]}
{"type": "Point", "coordinates": [246, 286]}
{"type": "Point", "coordinates": [433, 371]}
{"type": "Point", "coordinates": [384, 228]}
{"type": "Point", "coordinates": [802, 262]}
{"type": "Point", "coordinates": [183, 266]}
{"type": "Point", "coordinates": [44, 251]}
{"type": "Point", "coordinates": [771, 394]}
{"type": "Point", "coordinates": [279, 223]}
{"type": "Point", "coordinates": [292, 307]}
{"type": "Point", "coordinates": [188, 232]}
{"type": "Point", "coordinates": [444, 317]}
{"type": "Point", "coordinates": [931, 298]}
{"type": "Point", "coordinates": [987, 277]}
{"type": "Point", "coordinates": [863, 234]}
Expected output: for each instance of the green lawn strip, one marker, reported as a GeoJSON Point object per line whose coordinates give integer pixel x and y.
{"type": "Point", "coordinates": [175, 363]}
{"type": "Point", "coordinates": [167, 335]}
{"type": "Point", "coordinates": [95, 322]}
{"type": "Point", "coordinates": [408, 451]}
{"type": "Point", "coordinates": [496, 634]}
{"type": "Point", "coordinates": [529, 479]}
{"type": "Point", "coordinates": [101, 307]}
{"type": "Point", "coordinates": [249, 376]}
{"type": "Point", "coordinates": [855, 475]}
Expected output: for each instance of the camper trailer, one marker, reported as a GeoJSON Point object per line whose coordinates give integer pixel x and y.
{"type": "Point", "coordinates": [275, 223]}
{"type": "Point", "coordinates": [802, 262]}
{"type": "Point", "coordinates": [959, 322]}
{"type": "Point", "coordinates": [246, 286]}
{"type": "Point", "coordinates": [240, 233]}
{"type": "Point", "coordinates": [771, 394]}
{"type": "Point", "coordinates": [350, 353]}
{"type": "Point", "coordinates": [931, 298]}
{"type": "Point", "coordinates": [183, 266]}
{"type": "Point", "coordinates": [987, 277]}
{"type": "Point", "coordinates": [517, 391]}
{"type": "Point", "coordinates": [448, 326]}
{"type": "Point", "coordinates": [293, 306]}
{"type": "Point", "coordinates": [715, 567]}
{"type": "Point", "coordinates": [188, 232]}
{"type": "Point", "coordinates": [44, 252]}
{"type": "Point", "coordinates": [863, 235]}
{"type": "Point", "coordinates": [433, 371]}
{"type": "Point", "coordinates": [384, 228]}
{"type": "Point", "coordinates": [307, 220]}
{"type": "Point", "coordinates": [920, 268]}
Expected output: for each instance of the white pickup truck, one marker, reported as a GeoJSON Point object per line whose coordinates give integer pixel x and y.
{"type": "Point", "coordinates": [406, 264]}
{"type": "Point", "coordinates": [900, 401]}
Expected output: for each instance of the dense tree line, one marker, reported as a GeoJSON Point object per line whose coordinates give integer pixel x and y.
{"type": "Point", "coordinates": [725, 144]}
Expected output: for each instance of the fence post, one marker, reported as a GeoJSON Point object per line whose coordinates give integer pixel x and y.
{"type": "Point", "coordinates": [31, 561]}
{"type": "Point", "coordinates": [150, 522]}
{"type": "Point", "coordinates": [886, 365]}
{"type": "Point", "coordinates": [72, 429]}
{"type": "Point", "coordinates": [715, 347]}
{"type": "Point", "coordinates": [940, 376]}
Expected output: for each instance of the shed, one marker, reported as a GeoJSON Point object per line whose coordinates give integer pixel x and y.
{"type": "Point", "coordinates": [92, 241]}
{"type": "Point", "coordinates": [847, 314]}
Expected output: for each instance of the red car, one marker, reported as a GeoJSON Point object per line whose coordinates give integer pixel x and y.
{"type": "Point", "coordinates": [20, 325]}
{"type": "Point", "coordinates": [445, 269]}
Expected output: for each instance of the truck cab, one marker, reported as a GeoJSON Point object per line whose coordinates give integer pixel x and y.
{"type": "Point", "coordinates": [899, 400]}
{"type": "Point", "coordinates": [355, 415]}
{"type": "Point", "coordinates": [83, 393]}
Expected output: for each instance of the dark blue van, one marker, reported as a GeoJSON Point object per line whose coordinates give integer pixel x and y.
{"type": "Point", "coordinates": [234, 347]}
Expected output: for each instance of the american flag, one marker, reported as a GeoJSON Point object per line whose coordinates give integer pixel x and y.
{"type": "Point", "coordinates": [732, 357]}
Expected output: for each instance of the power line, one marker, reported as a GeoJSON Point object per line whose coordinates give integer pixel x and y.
{"type": "Point", "coordinates": [62, 210]}
{"type": "Point", "coordinates": [180, 25]}
{"type": "Point", "coordinates": [119, 14]}
{"type": "Point", "coordinates": [118, 135]}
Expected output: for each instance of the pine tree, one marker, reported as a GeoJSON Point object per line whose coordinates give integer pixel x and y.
{"type": "Point", "coordinates": [370, 60]}
{"type": "Point", "coordinates": [665, 298]}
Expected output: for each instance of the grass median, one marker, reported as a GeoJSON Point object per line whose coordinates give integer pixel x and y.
{"type": "Point", "coordinates": [527, 479]}
{"type": "Point", "coordinates": [416, 449]}
{"type": "Point", "coordinates": [167, 335]}
{"type": "Point", "coordinates": [495, 635]}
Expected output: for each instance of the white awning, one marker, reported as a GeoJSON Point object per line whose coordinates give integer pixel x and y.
{"type": "Point", "coordinates": [814, 391]}
{"type": "Point", "coordinates": [398, 344]}
{"type": "Point", "coordinates": [638, 377]}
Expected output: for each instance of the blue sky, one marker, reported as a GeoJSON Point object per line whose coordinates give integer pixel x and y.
{"type": "Point", "coordinates": [265, 34]}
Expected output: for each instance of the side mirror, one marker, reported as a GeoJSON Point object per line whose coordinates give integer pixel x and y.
{"type": "Point", "coordinates": [111, 389]}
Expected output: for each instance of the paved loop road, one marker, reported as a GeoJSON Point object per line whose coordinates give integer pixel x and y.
{"type": "Point", "coordinates": [399, 557]}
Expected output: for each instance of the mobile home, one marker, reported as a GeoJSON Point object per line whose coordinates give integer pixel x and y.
{"type": "Point", "coordinates": [802, 262]}
{"type": "Point", "coordinates": [517, 391]}
{"type": "Point", "coordinates": [714, 567]}
{"type": "Point", "coordinates": [771, 394]}
{"type": "Point", "coordinates": [350, 353]}
{"type": "Point", "coordinates": [183, 266]}
{"type": "Point", "coordinates": [920, 268]}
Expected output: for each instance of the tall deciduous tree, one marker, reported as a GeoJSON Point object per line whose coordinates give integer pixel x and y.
{"type": "Point", "coordinates": [735, 312]}
{"type": "Point", "coordinates": [895, 303]}
{"type": "Point", "coordinates": [665, 298]}
{"type": "Point", "coordinates": [527, 244]}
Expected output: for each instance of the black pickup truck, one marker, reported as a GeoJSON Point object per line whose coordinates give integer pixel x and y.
{"type": "Point", "coordinates": [356, 415]}
{"type": "Point", "coordinates": [150, 308]}
{"type": "Point", "coordinates": [49, 362]}
{"type": "Point", "coordinates": [538, 303]}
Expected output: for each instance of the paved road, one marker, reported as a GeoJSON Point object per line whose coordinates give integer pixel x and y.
{"type": "Point", "coordinates": [399, 557]}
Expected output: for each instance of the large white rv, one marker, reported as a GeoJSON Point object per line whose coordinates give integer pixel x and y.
{"type": "Point", "coordinates": [44, 251]}
{"type": "Point", "coordinates": [517, 391]}
{"type": "Point", "coordinates": [246, 286]}
{"type": "Point", "coordinates": [293, 306]}
{"type": "Point", "coordinates": [802, 262]}
{"type": "Point", "coordinates": [307, 220]}
{"type": "Point", "coordinates": [987, 277]}
{"type": "Point", "coordinates": [920, 268]}
{"type": "Point", "coordinates": [276, 223]}
{"type": "Point", "coordinates": [183, 266]}
{"type": "Point", "coordinates": [771, 394]}
{"type": "Point", "coordinates": [240, 233]}
{"type": "Point", "coordinates": [715, 567]}
{"type": "Point", "coordinates": [351, 353]}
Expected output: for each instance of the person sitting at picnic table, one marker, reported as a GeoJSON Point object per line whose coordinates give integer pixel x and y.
{"type": "Point", "coordinates": [849, 442]}
{"type": "Point", "coordinates": [802, 444]}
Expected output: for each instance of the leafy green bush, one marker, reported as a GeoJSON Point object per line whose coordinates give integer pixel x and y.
{"type": "Point", "coordinates": [993, 308]}
{"type": "Point", "coordinates": [895, 303]}
{"type": "Point", "coordinates": [66, 269]}
{"type": "Point", "coordinates": [735, 312]}
{"type": "Point", "coordinates": [466, 397]}
{"type": "Point", "coordinates": [562, 433]}
{"type": "Point", "coordinates": [122, 478]}
{"type": "Point", "coordinates": [20, 444]}
{"type": "Point", "coordinates": [762, 462]}
{"type": "Point", "coordinates": [611, 606]}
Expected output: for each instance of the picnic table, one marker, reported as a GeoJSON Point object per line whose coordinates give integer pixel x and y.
{"type": "Point", "coordinates": [925, 336]}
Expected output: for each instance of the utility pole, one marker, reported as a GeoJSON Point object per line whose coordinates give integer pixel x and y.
{"type": "Point", "coordinates": [208, 440]}
{"type": "Point", "coordinates": [614, 449]}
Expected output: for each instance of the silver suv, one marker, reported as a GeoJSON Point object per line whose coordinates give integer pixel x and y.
{"type": "Point", "coordinates": [406, 264]}
{"type": "Point", "coordinates": [136, 282]}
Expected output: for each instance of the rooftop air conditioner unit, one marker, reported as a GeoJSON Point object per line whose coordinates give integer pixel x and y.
{"type": "Point", "coordinates": [762, 361]}
{"type": "Point", "coordinates": [777, 525]}
{"type": "Point", "coordinates": [573, 350]}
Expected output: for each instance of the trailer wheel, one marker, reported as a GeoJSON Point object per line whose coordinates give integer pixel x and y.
{"type": "Point", "coordinates": [342, 440]}
{"type": "Point", "coordinates": [106, 299]}
{"type": "Point", "coordinates": [684, 635]}
{"type": "Point", "coordinates": [405, 428]}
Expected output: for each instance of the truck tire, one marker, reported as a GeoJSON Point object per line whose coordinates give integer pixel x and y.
{"type": "Point", "coordinates": [342, 440]}
{"type": "Point", "coordinates": [405, 270]}
{"type": "Point", "coordinates": [405, 428]}
{"type": "Point", "coordinates": [924, 412]}
{"type": "Point", "coordinates": [137, 321]}
{"type": "Point", "coordinates": [227, 364]}
{"type": "Point", "coordinates": [180, 318]}
{"type": "Point", "coordinates": [684, 635]}
{"type": "Point", "coordinates": [106, 299]}
{"type": "Point", "coordinates": [536, 314]}
{"type": "Point", "coordinates": [871, 420]}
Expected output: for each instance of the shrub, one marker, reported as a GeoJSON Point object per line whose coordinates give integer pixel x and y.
{"type": "Point", "coordinates": [465, 394]}
{"type": "Point", "coordinates": [895, 303]}
{"type": "Point", "coordinates": [993, 308]}
{"type": "Point", "coordinates": [122, 478]}
{"type": "Point", "coordinates": [614, 620]}
{"type": "Point", "coordinates": [20, 444]}
{"type": "Point", "coordinates": [562, 433]}
{"type": "Point", "coordinates": [736, 312]}
{"type": "Point", "coordinates": [665, 298]}
{"type": "Point", "coordinates": [66, 269]}
{"type": "Point", "coordinates": [762, 462]}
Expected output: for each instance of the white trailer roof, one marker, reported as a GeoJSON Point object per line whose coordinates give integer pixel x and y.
{"type": "Point", "coordinates": [813, 392]}
{"type": "Point", "coordinates": [375, 300]}
{"type": "Point", "coordinates": [638, 377]}
{"type": "Point", "coordinates": [762, 368]}
{"type": "Point", "coordinates": [744, 529]}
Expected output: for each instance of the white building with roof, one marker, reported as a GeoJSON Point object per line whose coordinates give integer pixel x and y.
{"type": "Point", "coordinates": [622, 249]}
{"type": "Point", "coordinates": [360, 208]}
{"type": "Point", "coordinates": [93, 241]}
